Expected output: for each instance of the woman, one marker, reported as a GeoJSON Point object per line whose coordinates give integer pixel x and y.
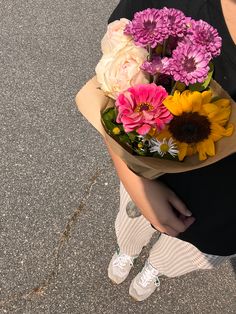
{"type": "Point", "coordinates": [194, 211]}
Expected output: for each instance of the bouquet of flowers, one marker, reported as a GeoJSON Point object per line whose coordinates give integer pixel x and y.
{"type": "Point", "coordinates": [162, 104]}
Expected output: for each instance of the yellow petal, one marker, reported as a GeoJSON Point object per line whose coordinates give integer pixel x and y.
{"type": "Point", "coordinates": [196, 100]}
{"type": "Point", "coordinates": [163, 134]}
{"type": "Point", "coordinates": [229, 130]}
{"type": "Point", "coordinates": [152, 132]}
{"type": "Point", "coordinates": [191, 150]}
{"type": "Point", "coordinates": [186, 102]}
{"type": "Point", "coordinates": [210, 110]}
{"type": "Point", "coordinates": [205, 148]}
{"type": "Point", "coordinates": [210, 147]}
{"type": "Point", "coordinates": [172, 106]}
{"type": "Point", "coordinates": [182, 150]}
{"type": "Point", "coordinates": [206, 97]}
{"type": "Point", "coordinates": [222, 103]}
{"type": "Point", "coordinates": [222, 117]}
{"type": "Point", "coordinates": [201, 151]}
{"type": "Point", "coordinates": [218, 131]}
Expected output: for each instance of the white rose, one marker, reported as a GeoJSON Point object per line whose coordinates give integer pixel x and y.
{"type": "Point", "coordinates": [118, 71]}
{"type": "Point", "coordinates": [114, 39]}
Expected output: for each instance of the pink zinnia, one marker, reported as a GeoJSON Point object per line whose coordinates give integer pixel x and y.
{"type": "Point", "coordinates": [189, 64]}
{"type": "Point", "coordinates": [141, 107]}
{"type": "Point", "coordinates": [147, 28]}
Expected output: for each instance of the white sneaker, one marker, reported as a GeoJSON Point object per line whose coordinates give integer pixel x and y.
{"type": "Point", "coordinates": [145, 283]}
{"type": "Point", "coordinates": [120, 266]}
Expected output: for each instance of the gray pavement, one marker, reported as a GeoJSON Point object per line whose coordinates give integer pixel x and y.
{"type": "Point", "coordinates": [59, 194]}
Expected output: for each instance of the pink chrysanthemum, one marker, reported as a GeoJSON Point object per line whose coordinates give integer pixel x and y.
{"type": "Point", "coordinates": [141, 107]}
{"type": "Point", "coordinates": [174, 22]}
{"type": "Point", "coordinates": [157, 65]}
{"type": "Point", "coordinates": [205, 35]}
{"type": "Point", "coordinates": [147, 28]}
{"type": "Point", "coordinates": [189, 64]}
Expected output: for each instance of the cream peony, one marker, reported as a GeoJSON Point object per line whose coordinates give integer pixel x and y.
{"type": "Point", "coordinates": [114, 39]}
{"type": "Point", "coordinates": [119, 70]}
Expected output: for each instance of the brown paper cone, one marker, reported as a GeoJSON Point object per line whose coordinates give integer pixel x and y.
{"type": "Point", "coordinates": [91, 101]}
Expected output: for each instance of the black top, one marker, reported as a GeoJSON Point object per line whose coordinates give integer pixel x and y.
{"type": "Point", "coordinates": [208, 192]}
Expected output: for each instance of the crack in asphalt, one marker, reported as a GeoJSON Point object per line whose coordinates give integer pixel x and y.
{"type": "Point", "coordinates": [40, 289]}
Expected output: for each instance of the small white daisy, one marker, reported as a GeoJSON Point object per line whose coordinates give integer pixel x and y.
{"type": "Point", "coordinates": [163, 147]}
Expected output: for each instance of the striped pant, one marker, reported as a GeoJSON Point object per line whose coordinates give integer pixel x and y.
{"type": "Point", "coordinates": [171, 256]}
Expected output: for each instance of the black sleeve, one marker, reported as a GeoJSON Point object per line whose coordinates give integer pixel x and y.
{"type": "Point", "coordinates": [127, 8]}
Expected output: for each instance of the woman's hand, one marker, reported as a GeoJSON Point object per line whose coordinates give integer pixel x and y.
{"type": "Point", "coordinates": [158, 204]}
{"type": "Point", "coordinates": [165, 211]}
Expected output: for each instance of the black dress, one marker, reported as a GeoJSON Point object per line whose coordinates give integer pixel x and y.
{"type": "Point", "coordinates": [208, 192]}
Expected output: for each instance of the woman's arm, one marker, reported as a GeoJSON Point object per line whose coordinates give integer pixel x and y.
{"type": "Point", "coordinates": [154, 199]}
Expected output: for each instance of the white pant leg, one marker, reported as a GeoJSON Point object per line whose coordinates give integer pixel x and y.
{"type": "Point", "coordinates": [171, 256]}
{"type": "Point", "coordinates": [174, 257]}
{"type": "Point", "coordinates": [133, 230]}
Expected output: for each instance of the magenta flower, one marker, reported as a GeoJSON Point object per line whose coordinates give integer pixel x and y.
{"type": "Point", "coordinates": [147, 28]}
{"type": "Point", "coordinates": [205, 35]}
{"type": "Point", "coordinates": [141, 107]}
{"type": "Point", "coordinates": [189, 64]}
{"type": "Point", "coordinates": [157, 65]}
{"type": "Point", "coordinates": [174, 22]}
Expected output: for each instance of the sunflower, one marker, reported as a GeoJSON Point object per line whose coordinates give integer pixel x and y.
{"type": "Point", "coordinates": [199, 121]}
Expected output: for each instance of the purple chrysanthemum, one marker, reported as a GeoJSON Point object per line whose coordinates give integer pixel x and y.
{"type": "Point", "coordinates": [202, 33]}
{"type": "Point", "coordinates": [189, 64]}
{"type": "Point", "coordinates": [147, 28]}
{"type": "Point", "coordinates": [157, 65]}
{"type": "Point", "coordinates": [174, 22]}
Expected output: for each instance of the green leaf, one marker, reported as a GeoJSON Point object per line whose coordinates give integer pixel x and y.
{"type": "Point", "coordinates": [202, 86]}
{"type": "Point", "coordinates": [132, 136]}
{"type": "Point", "coordinates": [180, 86]}
{"type": "Point", "coordinates": [109, 125]}
{"type": "Point", "coordinates": [109, 115]}
{"type": "Point", "coordinates": [109, 119]}
{"type": "Point", "coordinates": [215, 98]}
{"type": "Point", "coordinates": [124, 138]}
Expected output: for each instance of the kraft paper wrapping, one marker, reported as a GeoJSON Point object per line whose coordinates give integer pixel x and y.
{"type": "Point", "coordinates": [91, 101]}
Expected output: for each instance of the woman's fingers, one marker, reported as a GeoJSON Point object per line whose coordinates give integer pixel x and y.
{"type": "Point", "coordinates": [167, 229]}
{"type": "Point", "coordinates": [179, 205]}
{"type": "Point", "coordinates": [170, 231]}
{"type": "Point", "coordinates": [174, 221]}
{"type": "Point", "coordinates": [175, 224]}
{"type": "Point", "coordinates": [188, 221]}
{"type": "Point", "coordinates": [170, 223]}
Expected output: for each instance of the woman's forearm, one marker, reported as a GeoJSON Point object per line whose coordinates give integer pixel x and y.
{"type": "Point", "coordinates": [155, 200]}
{"type": "Point", "coordinates": [136, 187]}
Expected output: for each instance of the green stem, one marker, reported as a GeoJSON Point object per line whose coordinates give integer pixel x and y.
{"type": "Point", "coordinates": [149, 58]}
{"type": "Point", "coordinates": [164, 48]}
{"type": "Point", "coordinates": [155, 78]}
{"type": "Point", "coordinates": [152, 78]}
{"type": "Point", "coordinates": [174, 88]}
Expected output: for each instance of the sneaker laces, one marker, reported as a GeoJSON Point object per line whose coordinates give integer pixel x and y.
{"type": "Point", "coordinates": [122, 260]}
{"type": "Point", "coordinates": [148, 275]}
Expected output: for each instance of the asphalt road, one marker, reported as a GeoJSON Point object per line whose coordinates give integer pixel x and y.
{"type": "Point", "coordinates": [59, 194]}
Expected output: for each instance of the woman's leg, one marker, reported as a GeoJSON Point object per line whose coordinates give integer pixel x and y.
{"type": "Point", "coordinates": [170, 257]}
{"type": "Point", "coordinates": [133, 230]}
{"type": "Point", "coordinates": [173, 257]}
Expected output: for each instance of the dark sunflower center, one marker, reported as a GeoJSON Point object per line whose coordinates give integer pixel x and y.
{"type": "Point", "coordinates": [189, 64]}
{"type": "Point", "coordinates": [150, 25]}
{"type": "Point", "coordinates": [190, 128]}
